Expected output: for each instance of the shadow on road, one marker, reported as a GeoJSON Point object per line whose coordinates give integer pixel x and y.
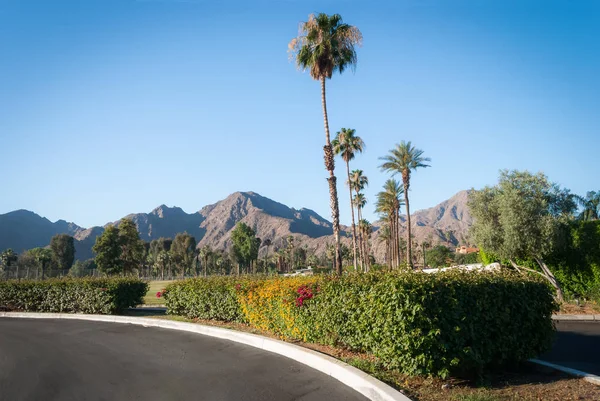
{"type": "Point", "coordinates": [577, 346]}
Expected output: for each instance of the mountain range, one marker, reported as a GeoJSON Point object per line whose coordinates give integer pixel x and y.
{"type": "Point", "coordinates": [446, 223]}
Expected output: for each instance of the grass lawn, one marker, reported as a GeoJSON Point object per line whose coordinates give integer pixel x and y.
{"type": "Point", "coordinates": [526, 383]}
{"type": "Point", "coordinates": [155, 286]}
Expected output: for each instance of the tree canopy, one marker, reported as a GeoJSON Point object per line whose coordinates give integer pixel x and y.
{"type": "Point", "coordinates": [521, 218]}
{"type": "Point", "coordinates": [63, 248]}
{"type": "Point", "coordinates": [245, 244]}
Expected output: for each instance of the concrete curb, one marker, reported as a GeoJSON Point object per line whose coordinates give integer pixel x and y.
{"type": "Point", "coordinates": [583, 318]}
{"type": "Point", "coordinates": [586, 376]}
{"type": "Point", "coordinates": [354, 378]}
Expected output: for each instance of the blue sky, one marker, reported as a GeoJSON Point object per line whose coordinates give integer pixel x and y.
{"type": "Point", "coordinates": [111, 107]}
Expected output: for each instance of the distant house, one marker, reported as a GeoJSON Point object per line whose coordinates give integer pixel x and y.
{"type": "Point", "coordinates": [465, 249]}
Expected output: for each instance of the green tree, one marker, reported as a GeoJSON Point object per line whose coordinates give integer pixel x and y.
{"type": "Point", "coordinates": [8, 257]}
{"type": "Point", "coordinates": [439, 256]}
{"type": "Point", "coordinates": [108, 251]}
{"type": "Point", "coordinates": [183, 252]}
{"type": "Point", "coordinates": [327, 45]}
{"type": "Point", "coordinates": [346, 144]}
{"type": "Point", "coordinates": [132, 247]}
{"type": "Point", "coordinates": [205, 253]}
{"type": "Point", "coordinates": [404, 159]}
{"type": "Point", "coordinates": [63, 248]}
{"type": "Point", "coordinates": [245, 245]}
{"type": "Point", "coordinates": [82, 268]}
{"type": "Point", "coordinates": [590, 204]}
{"type": "Point", "coordinates": [522, 218]}
{"type": "Point", "coordinates": [43, 257]}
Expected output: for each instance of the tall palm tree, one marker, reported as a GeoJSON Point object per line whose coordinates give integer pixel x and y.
{"type": "Point", "coordinates": [385, 236]}
{"type": "Point", "coordinates": [347, 145]}
{"type": "Point", "coordinates": [590, 204]}
{"type": "Point", "coordinates": [365, 229]}
{"type": "Point", "coordinates": [267, 243]}
{"type": "Point", "coordinates": [360, 201]}
{"type": "Point", "coordinates": [388, 206]}
{"type": "Point", "coordinates": [358, 182]}
{"type": "Point", "coordinates": [205, 253]}
{"type": "Point", "coordinates": [404, 159]}
{"type": "Point", "coordinates": [326, 45]}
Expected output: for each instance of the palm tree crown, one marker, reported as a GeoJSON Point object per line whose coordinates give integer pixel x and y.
{"type": "Point", "coordinates": [403, 159]}
{"type": "Point", "coordinates": [358, 181]}
{"type": "Point", "coordinates": [347, 144]}
{"type": "Point", "coordinates": [590, 204]}
{"type": "Point", "coordinates": [325, 45]}
{"type": "Point", "coordinates": [360, 200]}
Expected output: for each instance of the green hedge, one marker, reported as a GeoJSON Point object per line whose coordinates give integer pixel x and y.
{"type": "Point", "coordinates": [212, 298]}
{"type": "Point", "coordinates": [430, 324]}
{"type": "Point", "coordinates": [81, 295]}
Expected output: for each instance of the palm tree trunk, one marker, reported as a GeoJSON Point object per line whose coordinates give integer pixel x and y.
{"type": "Point", "coordinates": [360, 241]}
{"type": "Point", "coordinates": [408, 238]}
{"type": "Point", "coordinates": [333, 197]}
{"type": "Point", "coordinates": [267, 259]}
{"type": "Point", "coordinates": [352, 210]}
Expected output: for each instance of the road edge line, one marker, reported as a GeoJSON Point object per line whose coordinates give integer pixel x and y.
{"type": "Point", "coordinates": [591, 378]}
{"type": "Point", "coordinates": [348, 375]}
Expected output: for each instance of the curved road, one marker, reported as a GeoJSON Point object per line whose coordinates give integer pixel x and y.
{"type": "Point", "coordinates": [576, 345]}
{"type": "Point", "coordinates": [60, 360]}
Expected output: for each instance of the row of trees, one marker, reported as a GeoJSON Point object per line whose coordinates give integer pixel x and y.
{"type": "Point", "coordinates": [55, 260]}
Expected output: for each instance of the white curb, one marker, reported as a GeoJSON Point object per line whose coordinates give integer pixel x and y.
{"type": "Point", "coordinates": [587, 318]}
{"type": "Point", "coordinates": [586, 376]}
{"type": "Point", "coordinates": [354, 378]}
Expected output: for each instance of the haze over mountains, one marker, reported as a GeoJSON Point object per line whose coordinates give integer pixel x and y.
{"type": "Point", "coordinates": [446, 223]}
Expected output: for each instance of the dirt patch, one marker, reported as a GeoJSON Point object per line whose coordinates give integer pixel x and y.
{"type": "Point", "coordinates": [584, 308]}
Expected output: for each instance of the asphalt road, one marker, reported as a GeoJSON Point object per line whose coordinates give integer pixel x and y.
{"type": "Point", "coordinates": [577, 346]}
{"type": "Point", "coordinates": [60, 360]}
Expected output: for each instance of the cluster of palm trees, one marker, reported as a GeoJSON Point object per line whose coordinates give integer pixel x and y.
{"type": "Point", "coordinates": [326, 45]}
{"type": "Point", "coordinates": [347, 145]}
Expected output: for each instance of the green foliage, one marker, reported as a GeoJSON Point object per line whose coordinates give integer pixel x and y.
{"type": "Point", "coordinates": [521, 217]}
{"type": "Point", "coordinates": [467, 258]}
{"type": "Point", "coordinates": [119, 250]}
{"type": "Point", "coordinates": [205, 298]}
{"type": "Point", "coordinates": [99, 295]}
{"type": "Point", "coordinates": [487, 258]}
{"type": "Point", "coordinates": [577, 264]}
{"type": "Point", "coordinates": [439, 256]}
{"type": "Point", "coordinates": [82, 268]}
{"type": "Point", "coordinates": [183, 252]}
{"type": "Point", "coordinates": [325, 45]}
{"type": "Point", "coordinates": [245, 244]}
{"type": "Point", "coordinates": [451, 322]}
{"type": "Point", "coordinates": [132, 248]}
{"type": "Point", "coordinates": [108, 251]}
{"type": "Point", "coordinates": [63, 248]}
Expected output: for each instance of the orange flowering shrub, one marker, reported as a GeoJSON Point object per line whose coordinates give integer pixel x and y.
{"type": "Point", "coordinates": [274, 304]}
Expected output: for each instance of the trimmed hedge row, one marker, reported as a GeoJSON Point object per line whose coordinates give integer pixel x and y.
{"type": "Point", "coordinates": [447, 323]}
{"type": "Point", "coordinates": [82, 295]}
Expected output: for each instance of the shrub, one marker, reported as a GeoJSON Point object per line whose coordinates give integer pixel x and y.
{"type": "Point", "coordinates": [82, 295]}
{"type": "Point", "coordinates": [432, 324]}
{"type": "Point", "coordinates": [206, 298]}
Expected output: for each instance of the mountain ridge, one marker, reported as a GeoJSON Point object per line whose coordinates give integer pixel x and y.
{"type": "Point", "coordinates": [447, 223]}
